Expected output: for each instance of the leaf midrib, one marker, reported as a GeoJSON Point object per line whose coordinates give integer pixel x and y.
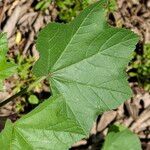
{"type": "Point", "coordinates": [75, 34]}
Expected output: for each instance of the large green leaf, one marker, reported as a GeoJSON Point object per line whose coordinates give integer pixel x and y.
{"type": "Point", "coordinates": [85, 63]}
{"type": "Point", "coordinates": [6, 68]}
{"type": "Point", "coordinates": [51, 126]}
{"type": "Point", "coordinates": [122, 139]}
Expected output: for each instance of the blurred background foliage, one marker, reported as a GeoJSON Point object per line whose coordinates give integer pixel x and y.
{"type": "Point", "coordinates": [139, 67]}
{"type": "Point", "coordinates": [67, 9]}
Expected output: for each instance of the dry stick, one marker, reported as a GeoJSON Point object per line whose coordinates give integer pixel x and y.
{"type": "Point", "coordinates": [12, 21]}
{"type": "Point", "coordinates": [2, 13]}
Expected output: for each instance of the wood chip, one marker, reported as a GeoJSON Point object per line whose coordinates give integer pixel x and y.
{"type": "Point", "coordinates": [11, 23]}
{"type": "Point", "coordinates": [106, 119]}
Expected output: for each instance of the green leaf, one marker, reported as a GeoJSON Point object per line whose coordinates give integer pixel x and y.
{"type": "Point", "coordinates": [33, 99]}
{"type": "Point", "coordinates": [122, 139]}
{"type": "Point", "coordinates": [51, 126]}
{"type": "Point", "coordinates": [85, 63]}
{"type": "Point", "coordinates": [6, 68]}
{"type": "Point", "coordinates": [43, 4]}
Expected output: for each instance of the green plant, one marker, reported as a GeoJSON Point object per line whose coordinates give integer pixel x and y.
{"type": "Point", "coordinates": [7, 68]}
{"type": "Point", "coordinates": [69, 9]}
{"type": "Point", "coordinates": [33, 100]}
{"type": "Point", "coordinates": [112, 5]}
{"type": "Point", "coordinates": [118, 138]}
{"type": "Point", "coordinates": [23, 79]}
{"type": "Point", "coordinates": [140, 67]}
{"type": "Point", "coordinates": [43, 4]}
{"type": "Point", "coordinates": [80, 60]}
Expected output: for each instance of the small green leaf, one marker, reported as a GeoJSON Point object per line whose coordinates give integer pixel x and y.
{"type": "Point", "coordinates": [33, 99]}
{"type": "Point", "coordinates": [121, 138]}
{"type": "Point", "coordinates": [6, 68]}
{"type": "Point", "coordinates": [43, 4]}
{"type": "Point", "coordinates": [112, 5]}
{"type": "Point", "coordinates": [39, 5]}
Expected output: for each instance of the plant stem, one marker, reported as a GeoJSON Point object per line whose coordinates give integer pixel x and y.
{"type": "Point", "coordinates": [13, 97]}
{"type": "Point", "coordinates": [27, 89]}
